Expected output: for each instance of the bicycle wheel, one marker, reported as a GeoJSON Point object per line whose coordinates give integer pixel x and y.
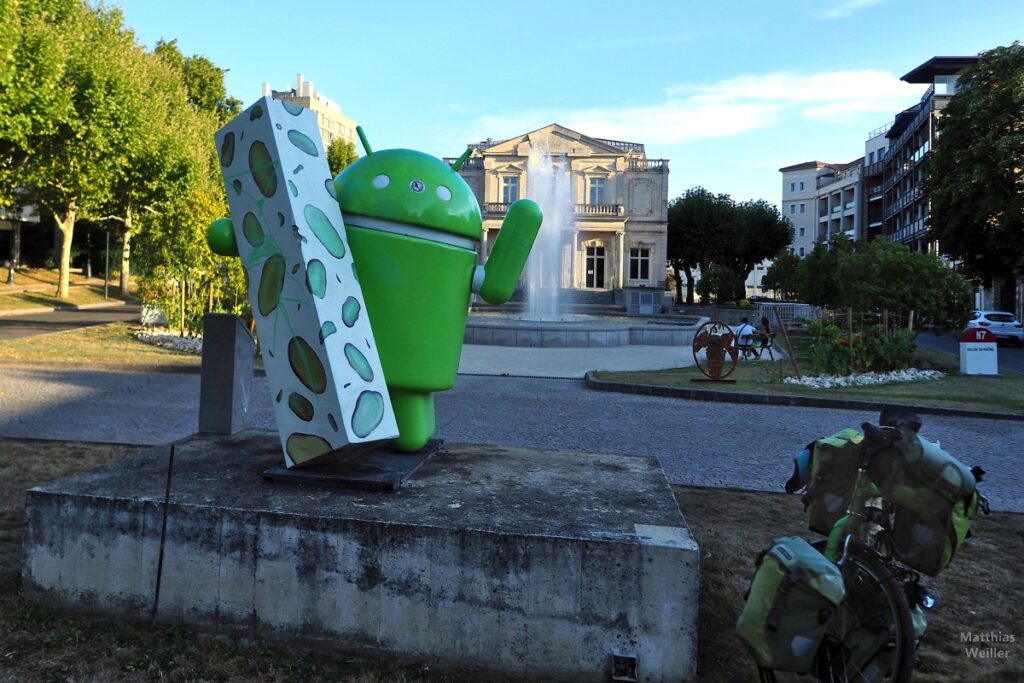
{"type": "Point", "coordinates": [871, 637]}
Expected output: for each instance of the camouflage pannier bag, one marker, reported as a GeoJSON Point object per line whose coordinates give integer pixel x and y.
{"type": "Point", "coordinates": [935, 499]}
{"type": "Point", "coordinates": [794, 594]}
{"type": "Point", "coordinates": [827, 469]}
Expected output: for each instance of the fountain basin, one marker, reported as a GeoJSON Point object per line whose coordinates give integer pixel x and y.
{"type": "Point", "coordinates": [577, 331]}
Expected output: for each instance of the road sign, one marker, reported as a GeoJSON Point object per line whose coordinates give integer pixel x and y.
{"type": "Point", "coordinates": [978, 354]}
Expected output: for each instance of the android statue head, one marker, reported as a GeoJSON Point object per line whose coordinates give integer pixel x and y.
{"type": "Point", "coordinates": [414, 227]}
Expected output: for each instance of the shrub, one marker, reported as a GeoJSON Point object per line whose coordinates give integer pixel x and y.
{"type": "Point", "coordinates": [872, 350]}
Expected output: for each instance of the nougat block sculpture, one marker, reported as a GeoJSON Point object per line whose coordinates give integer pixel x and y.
{"type": "Point", "coordinates": [318, 347]}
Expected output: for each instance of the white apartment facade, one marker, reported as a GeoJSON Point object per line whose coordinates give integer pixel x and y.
{"type": "Point", "coordinates": [332, 122]}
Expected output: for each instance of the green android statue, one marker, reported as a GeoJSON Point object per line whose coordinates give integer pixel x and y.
{"type": "Point", "coordinates": [414, 226]}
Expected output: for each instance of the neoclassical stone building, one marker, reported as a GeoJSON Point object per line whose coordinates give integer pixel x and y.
{"type": "Point", "coordinates": [619, 203]}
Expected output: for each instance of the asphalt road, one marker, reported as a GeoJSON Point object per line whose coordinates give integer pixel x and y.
{"type": "Point", "coordinates": [699, 444]}
{"type": "Point", "coordinates": [27, 325]}
{"type": "Point", "coordinates": [1010, 357]}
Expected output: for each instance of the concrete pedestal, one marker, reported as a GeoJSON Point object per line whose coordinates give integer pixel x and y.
{"type": "Point", "coordinates": [543, 565]}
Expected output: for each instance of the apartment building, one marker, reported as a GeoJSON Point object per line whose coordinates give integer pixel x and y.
{"type": "Point", "coordinates": [332, 122]}
{"type": "Point", "coordinates": [909, 139]}
{"type": "Point", "coordinates": [618, 201]}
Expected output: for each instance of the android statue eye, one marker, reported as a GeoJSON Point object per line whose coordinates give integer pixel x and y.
{"type": "Point", "coordinates": [417, 186]}
{"type": "Point", "coordinates": [444, 193]}
{"type": "Point", "coordinates": [381, 181]}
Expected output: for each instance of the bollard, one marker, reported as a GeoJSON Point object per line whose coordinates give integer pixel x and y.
{"type": "Point", "coordinates": [225, 391]}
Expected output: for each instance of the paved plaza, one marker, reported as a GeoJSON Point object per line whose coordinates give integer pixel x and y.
{"type": "Point", "coordinates": [699, 444]}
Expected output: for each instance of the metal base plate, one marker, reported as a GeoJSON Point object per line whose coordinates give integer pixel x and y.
{"type": "Point", "coordinates": [377, 468]}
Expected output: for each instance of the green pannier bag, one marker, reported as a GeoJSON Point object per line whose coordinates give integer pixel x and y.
{"type": "Point", "coordinates": [935, 499]}
{"type": "Point", "coordinates": [795, 593]}
{"type": "Point", "coordinates": [833, 469]}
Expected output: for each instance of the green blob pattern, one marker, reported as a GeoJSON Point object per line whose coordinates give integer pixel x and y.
{"type": "Point", "coordinates": [271, 284]}
{"type": "Point", "coordinates": [262, 168]}
{"type": "Point", "coordinates": [368, 413]}
{"type": "Point", "coordinates": [252, 229]}
{"type": "Point", "coordinates": [316, 278]}
{"type": "Point", "coordinates": [321, 226]}
{"type": "Point", "coordinates": [304, 447]}
{"type": "Point", "coordinates": [302, 141]}
{"type": "Point", "coordinates": [301, 406]}
{"type": "Point", "coordinates": [359, 363]}
{"type": "Point", "coordinates": [350, 311]}
{"type": "Point", "coordinates": [227, 149]}
{"type": "Point", "coordinates": [326, 330]}
{"type": "Point", "coordinates": [306, 365]}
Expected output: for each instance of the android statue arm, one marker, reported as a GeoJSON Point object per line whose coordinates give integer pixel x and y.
{"type": "Point", "coordinates": [220, 236]}
{"type": "Point", "coordinates": [496, 280]}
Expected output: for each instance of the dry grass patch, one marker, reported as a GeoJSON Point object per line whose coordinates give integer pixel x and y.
{"type": "Point", "coordinates": [981, 591]}
{"type": "Point", "coordinates": [113, 343]}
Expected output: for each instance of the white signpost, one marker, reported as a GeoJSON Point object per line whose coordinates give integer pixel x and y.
{"type": "Point", "coordinates": [978, 355]}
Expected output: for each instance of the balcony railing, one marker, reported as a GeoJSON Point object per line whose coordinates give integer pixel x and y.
{"type": "Point", "coordinates": [471, 164]}
{"type": "Point", "coordinates": [625, 146]}
{"type": "Point", "coordinates": [578, 209]}
{"type": "Point", "coordinates": [599, 210]}
{"type": "Point", "coordinates": [643, 165]}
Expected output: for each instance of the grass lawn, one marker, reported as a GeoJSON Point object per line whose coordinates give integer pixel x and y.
{"type": "Point", "coordinates": [980, 592]}
{"type": "Point", "coordinates": [1003, 393]}
{"type": "Point", "coordinates": [111, 343]}
{"type": "Point", "coordinates": [84, 294]}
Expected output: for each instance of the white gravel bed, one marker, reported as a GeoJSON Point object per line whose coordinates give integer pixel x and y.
{"type": "Point", "coordinates": [167, 339]}
{"type": "Point", "coordinates": [829, 381]}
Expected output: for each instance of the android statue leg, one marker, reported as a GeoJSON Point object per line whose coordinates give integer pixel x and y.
{"type": "Point", "coordinates": [414, 412]}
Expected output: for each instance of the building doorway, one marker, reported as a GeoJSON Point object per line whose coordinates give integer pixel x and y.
{"type": "Point", "coordinates": [595, 268]}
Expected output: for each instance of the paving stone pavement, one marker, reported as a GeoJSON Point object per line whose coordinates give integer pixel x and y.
{"type": "Point", "coordinates": [699, 444]}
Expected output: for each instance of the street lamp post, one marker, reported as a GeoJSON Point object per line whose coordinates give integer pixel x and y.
{"type": "Point", "coordinates": [106, 270]}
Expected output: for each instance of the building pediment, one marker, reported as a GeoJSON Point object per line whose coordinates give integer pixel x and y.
{"type": "Point", "coordinates": [553, 139]}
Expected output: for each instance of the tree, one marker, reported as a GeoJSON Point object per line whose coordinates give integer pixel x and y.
{"type": "Point", "coordinates": [816, 280]}
{"type": "Point", "coordinates": [33, 100]}
{"type": "Point", "coordinates": [781, 276]}
{"type": "Point", "coordinates": [697, 221]}
{"type": "Point", "coordinates": [719, 282]}
{"type": "Point", "coordinates": [340, 153]}
{"type": "Point", "coordinates": [73, 162]}
{"type": "Point", "coordinates": [974, 175]}
{"type": "Point", "coordinates": [164, 150]}
{"type": "Point", "coordinates": [204, 81]}
{"type": "Point", "coordinates": [757, 233]}
{"type": "Point", "coordinates": [882, 275]}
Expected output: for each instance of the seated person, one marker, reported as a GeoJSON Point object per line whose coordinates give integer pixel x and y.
{"type": "Point", "coordinates": [745, 335]}
{"type": "Point", "coordinates": [764, 335]}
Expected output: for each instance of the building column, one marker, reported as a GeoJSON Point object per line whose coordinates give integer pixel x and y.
{"type": "Point", "coordinates": [574, 261]}
{"type": "Point", "coordinates": [622, 258]}
{"type": "Point", "coordinates": [485, 249]}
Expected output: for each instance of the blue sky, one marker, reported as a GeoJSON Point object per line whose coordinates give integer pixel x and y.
{"type": "Point", "coordinates": [728, 91]}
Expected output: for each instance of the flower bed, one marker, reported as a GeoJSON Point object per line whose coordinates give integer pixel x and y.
{"type": "Point", "coordinates": [829, 381]}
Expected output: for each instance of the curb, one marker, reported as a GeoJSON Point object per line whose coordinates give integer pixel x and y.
{"type": "Point", "coordinates": [592, 382]}
{"type": "Point", "coordinates": [113, 303]}
{"type": "Point", "coordinates": [115, 367]}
